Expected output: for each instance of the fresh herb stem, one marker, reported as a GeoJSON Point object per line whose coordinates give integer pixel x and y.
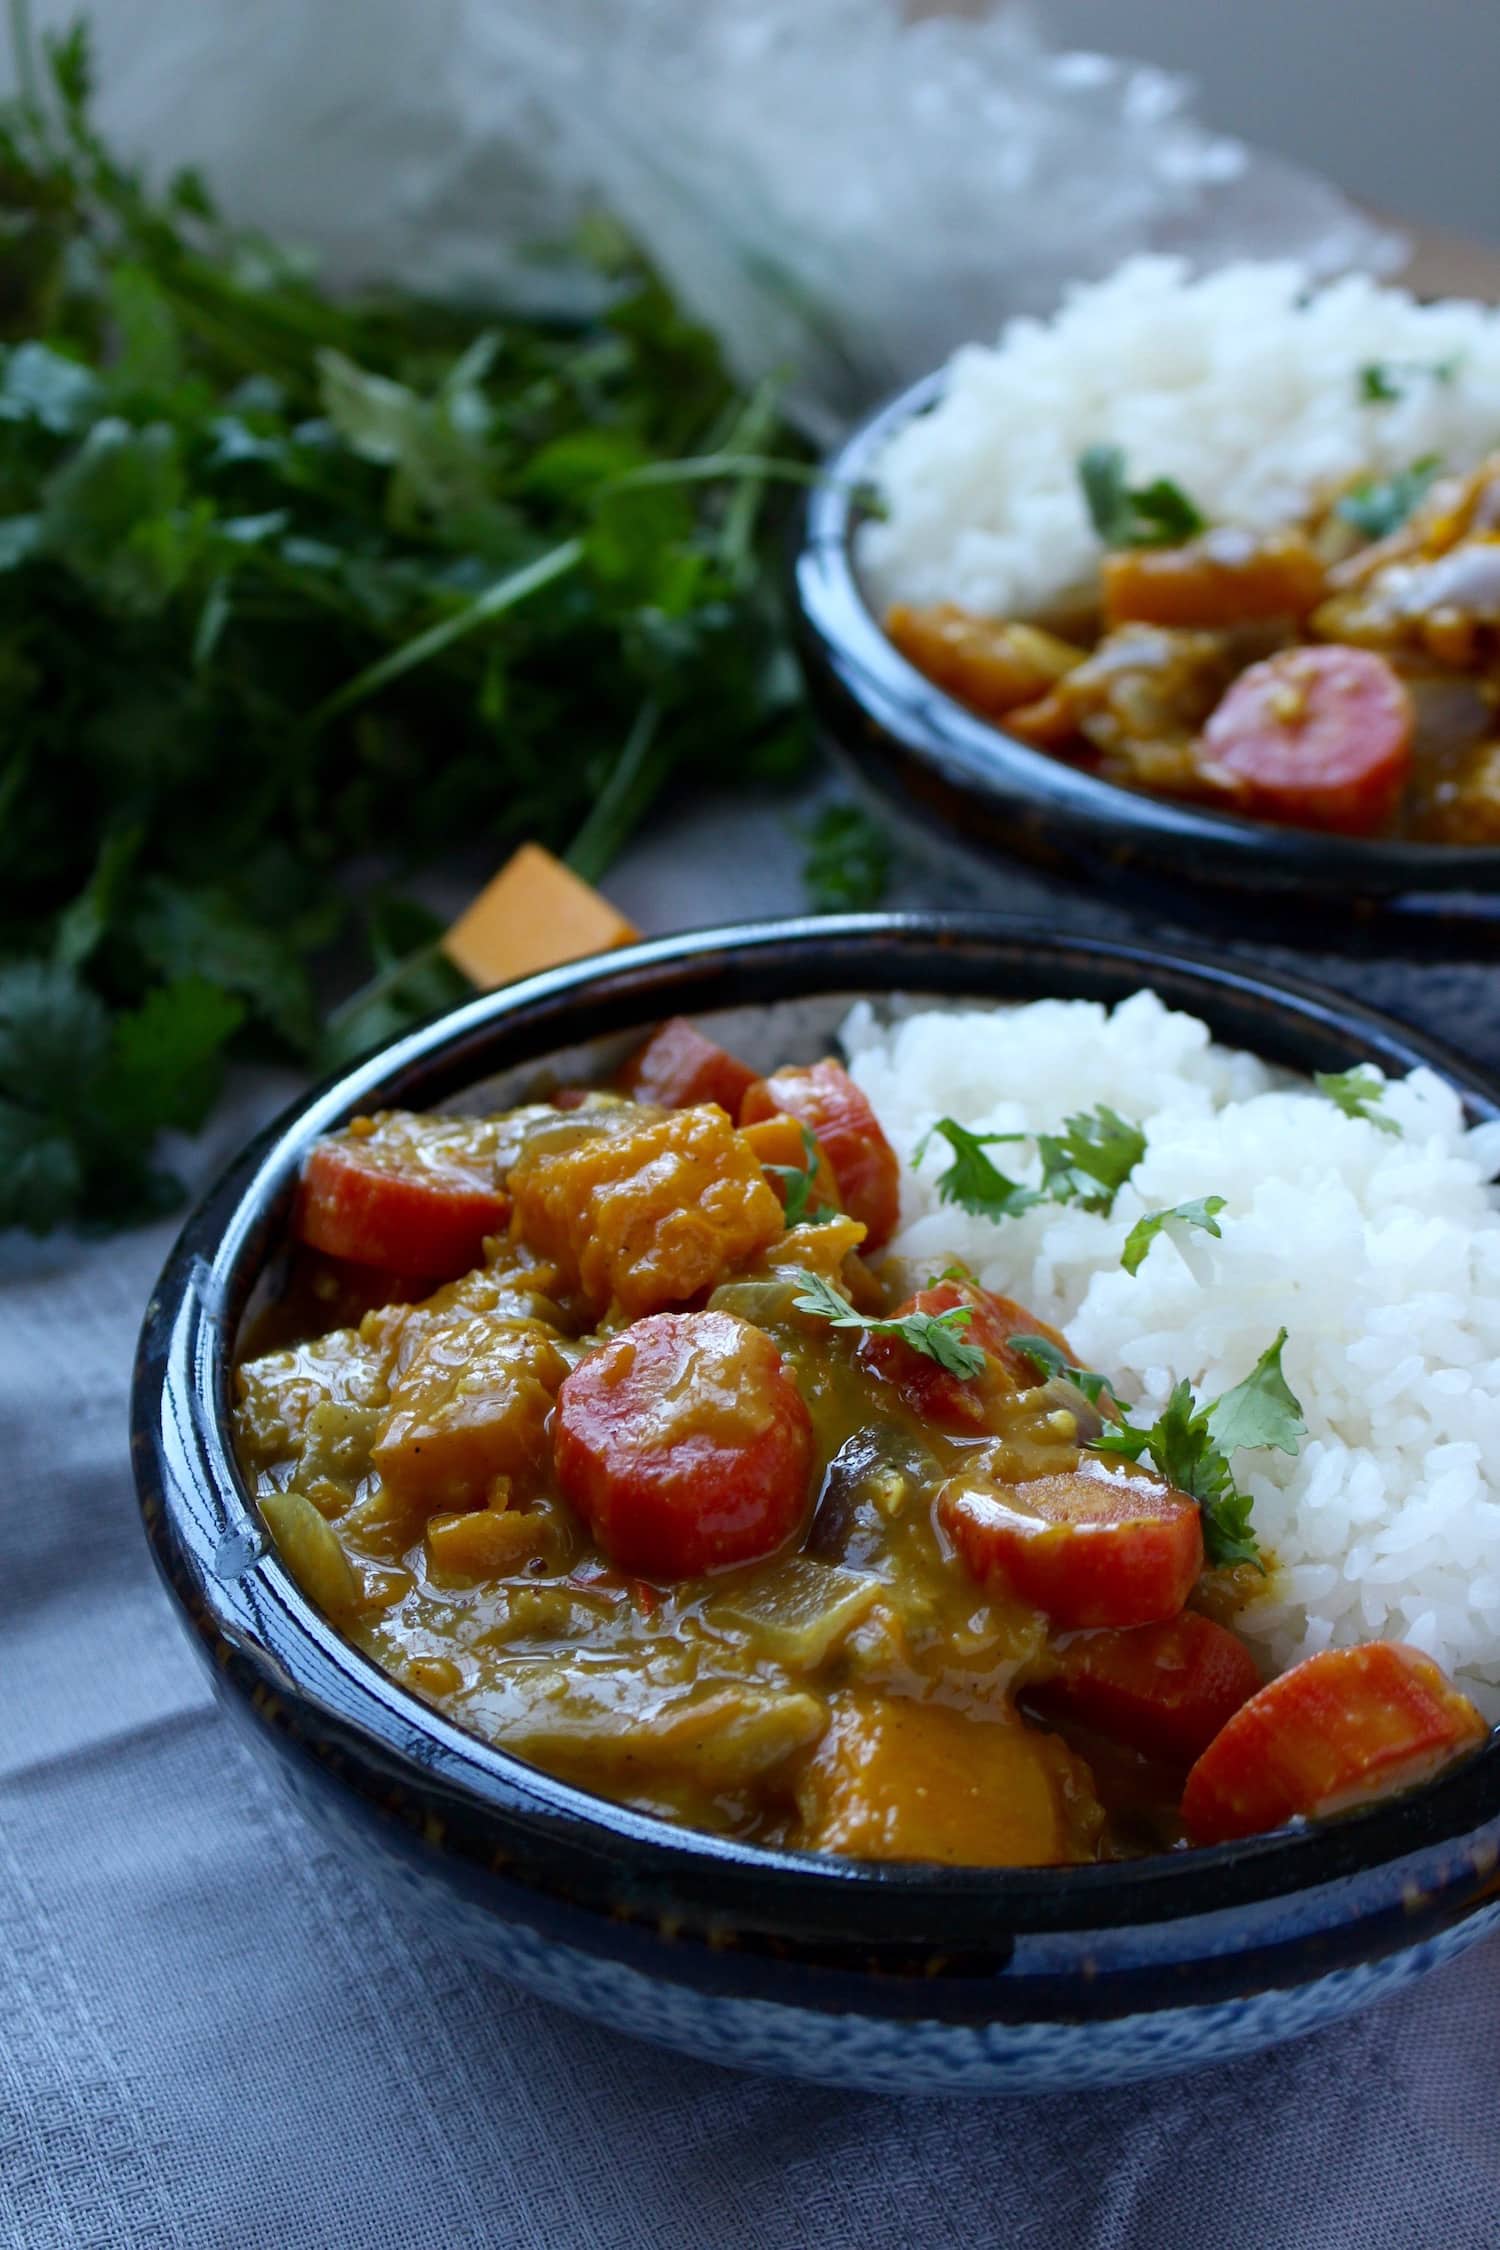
{"type": "Point", "coordinates": [619, 803]}
{"type": "Point", "coordinates": [506, 593]}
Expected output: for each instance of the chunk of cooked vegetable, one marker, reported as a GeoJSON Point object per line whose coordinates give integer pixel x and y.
{"type": "Point", "coordinates": [1225, 579]}
{"type": "Point", "coordinates": [472, 1405]}
{"type": "Point", "coordinates": [311, 1552]}
{"type": "Point", "coordinates": [685, 1445]}
{"type": "Point", "coordinates": [1088, 1547]}
{"type": "Point", "coordinates": [988, 663]}
{"type": "Point", "coordinates": [1338, 1730]}
{"type": "Point", "coordinates": [828, 1102]}
{"type": "Point", "coordinates": [417, 1195]}
{"type": "Point", "coordinates": [649, 1215]}
{"type": "Point", "coordinates": [1318, 737]}
{"type": "Point", "coordinates": [1165, 1689]}
{"type": "Point", "coordinates": [896, 1779]}
{"type": "Point", "coordinates": [793, 1161]}
{"type": "Point", "coordinates": [937, 1393]}
{"type": "Point", "coordinates": [678, 1067]}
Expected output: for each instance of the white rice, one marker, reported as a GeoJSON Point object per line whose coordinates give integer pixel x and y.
{"type": "Point", "coordinates": [1380, 1255]}
{"type": "Point", "coordinates": [1239, 385]}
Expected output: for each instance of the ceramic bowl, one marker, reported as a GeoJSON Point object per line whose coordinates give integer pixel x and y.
{"type": "Point", "coordinates": [896, 1977]}
{"type": "Point", "coordinates": [973, 785]}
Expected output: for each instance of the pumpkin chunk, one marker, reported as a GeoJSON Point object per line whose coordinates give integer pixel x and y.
{"type": "Point", "coordinates": [472, 1405]}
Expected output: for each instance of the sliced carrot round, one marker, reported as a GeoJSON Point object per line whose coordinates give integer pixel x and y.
{"type": "Point", "coordinates": [1088, 1547]}
{"type": "Point", "coordinates": [685, 1445]}
{"type": "Point", "coordinates": [1165, 1689]}
{"type": "Point", "coordinates": [678, 1066]}
{"type": "Point", "coordinates": [826, 1099]}
{"type": "Point", "coordinates": [1338, 1730]}
{"type": "Point", "coordinates": [414, 1194]}
{"type": "Point", "coordinates": [958, 1402]}
{"type": "Point", "coordinates": [1319, 737]}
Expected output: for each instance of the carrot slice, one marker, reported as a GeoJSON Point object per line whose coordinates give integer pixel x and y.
{"type": "Point", "coordinates": [416, 1195]}
{"type": "Point", "coordinates": [1089, 1547]}
{"type": "Point", "coordinates": [958, 1402]}
{"type": "Point", "coordinates": [678, 1067]}
{"type": "Point", "coordinates": [826, 1099]}
{"type": "Point", "coordinates": [1338, 1730]}
{"type": "Point", "coordinates": [1318, 737]}
{"type": "Point", "coordinates": [685, 1445]}
{"type": "Point", "coordinates": [1164, 1689]}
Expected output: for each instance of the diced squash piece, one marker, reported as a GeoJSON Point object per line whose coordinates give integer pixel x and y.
{"type": "Point", "coordinates": [1224, 579]}
{"type": "Point", "coordinates": [312, 1553]}
{"type": "Point", "coordinates": [485, 1542]}
{"type": "Point", "coordinates": [280, 1392]}
{"type": "Point", "coordinates": [894, 1779]}
{"type": "Point", "coordinates": [647, 1217]}
{"type": "Point", "coordinates": [471, 1406]}
{"type": "Point", "coordinates": [535, 914]}
{"type": "Point", "coordinates": [781, 1147]}
{"type": "Point", "coordinates": [986, 662]}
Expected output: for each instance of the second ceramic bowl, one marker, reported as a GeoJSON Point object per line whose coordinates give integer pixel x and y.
{"type": "Point", "coordinates": [984, 791]}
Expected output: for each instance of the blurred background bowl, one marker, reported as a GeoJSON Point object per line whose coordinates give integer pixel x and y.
{"type": "Point", "coordinates": [925, 757]}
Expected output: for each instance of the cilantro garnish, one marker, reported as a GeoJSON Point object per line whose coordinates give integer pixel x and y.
{"type": "Point", "coordinates": [1159, 514]}
{"type": "Point", "coordinates": [1358, 1093]}
{"type": "Point", "coordinates": [848, 863]}
{"type": "Point", "coordinates": [1190, 1444]}
{"type": "Point", "coordinates": [798, 1182]}
{"type": "Point", "coordinates": [971, 1180]}
{"type": "Point", "coordinates": [1087, 1163]}
{"type": "Point", "coordinates": [937, 1336]}
{"type": "Point", "coordinates": [1382, 381]}
{"type": "Point", "coordinates": [1377, 506]}
{"type": "Point", "coordinates": [1091, 1159]}
{"type": "Point", "coordinates": [1045, 1356]}
{"type": "Point", "coordinates": [294, 582]}
{"type": "Point", "coordinates": [1202, 1212]}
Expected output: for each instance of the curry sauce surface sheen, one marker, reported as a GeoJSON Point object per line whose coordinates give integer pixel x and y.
{"type": "Point", "coordinates": [856, 1690]}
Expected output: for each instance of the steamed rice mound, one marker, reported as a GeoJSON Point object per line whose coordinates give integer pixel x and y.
{"type": "Point", "coordinates": [1380, 1256]}
{"type": "Point", "coordinates": [1243, 386]}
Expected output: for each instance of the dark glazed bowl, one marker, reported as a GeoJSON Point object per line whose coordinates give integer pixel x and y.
{"type": "Point", "coordinates": [897, 1977]}
{"type": "Point", "coordinates": [971, 784]}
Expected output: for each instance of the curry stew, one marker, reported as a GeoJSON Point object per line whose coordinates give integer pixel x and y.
{"type": "Point", "coordinates": [1314, 676]}
{"type": "Point", "coordinates": [603, 1426]}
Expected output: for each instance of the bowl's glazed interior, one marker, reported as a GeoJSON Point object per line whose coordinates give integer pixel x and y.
{"type": "Point", "coordinates": [773, 989]}
{"type": "Point", "coordinates": [975, 785]}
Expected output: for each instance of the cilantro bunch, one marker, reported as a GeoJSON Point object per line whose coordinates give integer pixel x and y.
{"type": "Point", "coordinates": [293, 586]}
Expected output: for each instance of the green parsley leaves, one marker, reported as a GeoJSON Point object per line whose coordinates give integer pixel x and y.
{"type": "Point", "coordinates": [1377, 506]}
{"type": "Point", "coordinates": [798, 1182]}
{"type": "Point", "coordinates": [1190, 1444]}
{"type": "Point", "coordinates": [1159, 514]}
{"type": "Point", "coordinates": [1091, 1159]}
{"type": "Point", "coordinates": [971, 1180]}
{"type": "Point", "coordinates": [1202, 1212]}
{"type": "Point", "coordinates": [1382, 381]}
{"type": "Point", "coordinates": [1358, 1093]}
{"type": "Point", "coordinates": [1087, 1162]}
{"type": "Point", "coordinates": [1045, 1356]}
{"type": "Point", "coordinates": [937, 1336]}
{"type": "Point", "coordinates": [848, 862]}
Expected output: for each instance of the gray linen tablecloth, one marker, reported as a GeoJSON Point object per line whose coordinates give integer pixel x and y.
{"type": "Point", "coordinates": [214, 2031]}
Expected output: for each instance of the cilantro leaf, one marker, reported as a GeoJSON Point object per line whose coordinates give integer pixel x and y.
{"type": "Point", "coordinates": [1377, 386]}
{"type": "Point", "coordinates": [1202, 1212]}
{"type": "Point", "coordinates": [1190, 1444]}
{"type": "Point", "coordinates": [1158, 514]}
{"type": "Point", "coordinates": [937, 1336]}
{"type": "Point", "coordinates": [1377, 506]}
{"type": "Point", "coordinates": [971, 1180]}
{"type": "Point", "coordinates": [848, 862]}
{"type": "Point", "coordinates": [168, 1058]}
{"type": "Point", "coordinates": [798, 1182]}
{"type": "Point", "coordinates": [1358, 1093]}
{"type": "Point", "coordinates": [1381, 382]}
{"type": "Point", "coordinates": [1091, 1159]}
{"type": "Point", "coordinates": [1262, 1410]}
{"type": "Point", "coordinates": [1045, 1356]}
